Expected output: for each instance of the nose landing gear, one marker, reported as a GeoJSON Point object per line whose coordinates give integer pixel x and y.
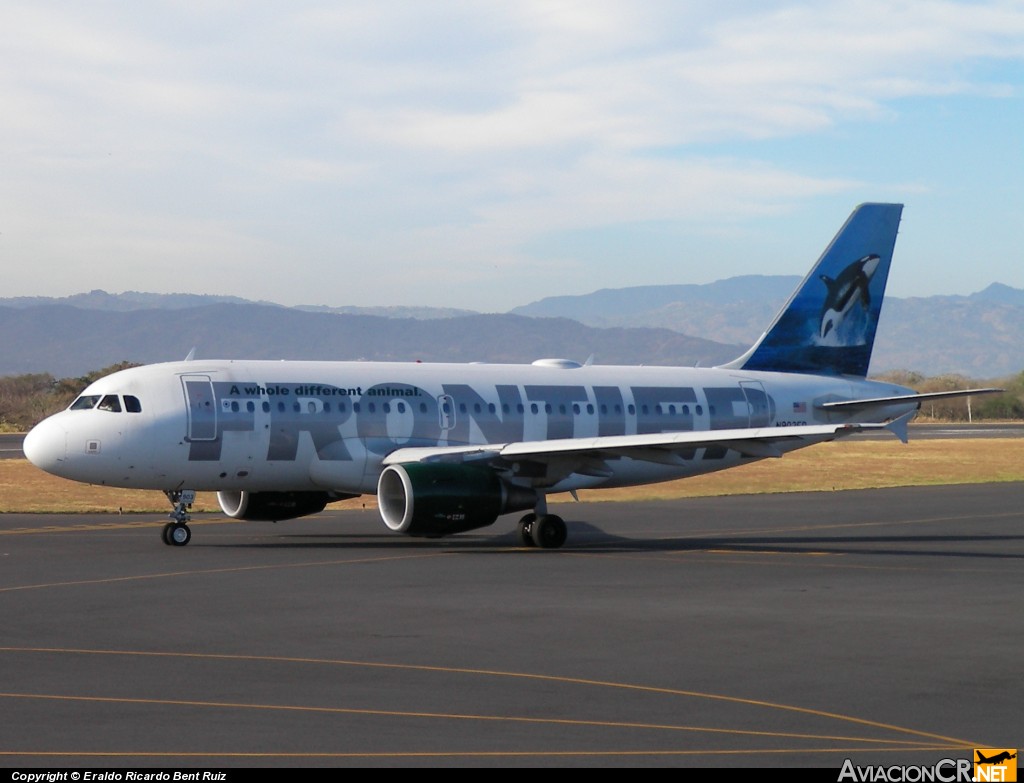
{"type": "Point", "coordinates": [177, 532]}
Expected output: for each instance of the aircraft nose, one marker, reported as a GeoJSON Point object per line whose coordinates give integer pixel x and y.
{"type": "Point", "coordinates": [46, 445]}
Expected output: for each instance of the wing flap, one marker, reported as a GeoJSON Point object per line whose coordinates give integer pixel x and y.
{"type": "Point", "coordinates": [659, 447]}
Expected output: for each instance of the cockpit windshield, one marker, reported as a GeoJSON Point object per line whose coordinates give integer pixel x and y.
{"type": "Point", "coordinates": [85, 403]}
{"type": "Point", "coordinates": [107, 402]}
{"type": "Point", "coordinates": [110, 403]}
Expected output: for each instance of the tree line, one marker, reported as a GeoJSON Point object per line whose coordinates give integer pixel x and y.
{"type": "Point", "coordinates": [26, 400]}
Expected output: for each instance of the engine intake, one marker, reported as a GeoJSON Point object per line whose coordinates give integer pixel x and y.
{"type": "Point", "coordinates": [273, 506]}
{"type": "Point", "coordinates": [438, 499]}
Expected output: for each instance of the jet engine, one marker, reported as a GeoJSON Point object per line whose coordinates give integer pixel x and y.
{"type": "Point", "coordinates": [273, 506]}
{"type": "Point", "coordinates": [424, 499]}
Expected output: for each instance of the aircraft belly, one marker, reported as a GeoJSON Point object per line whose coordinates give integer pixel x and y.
{"type": "Point", "coordinates": [341, 467]}
{"type": "Point", "coordinates": [628, 472]}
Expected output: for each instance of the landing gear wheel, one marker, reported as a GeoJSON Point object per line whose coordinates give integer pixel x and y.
{"type": "Point", "coordinates": [549, 532]}
{"type": "Point", "coordinates": [179, 534]}
{"type": "Point", "coordinates": [176, 532]}
{"type": "Point", "coordinates": [526, 530]}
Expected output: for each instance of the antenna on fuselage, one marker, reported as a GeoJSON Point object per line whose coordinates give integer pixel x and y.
{"type": "Point", "coordinates": [191, 354]}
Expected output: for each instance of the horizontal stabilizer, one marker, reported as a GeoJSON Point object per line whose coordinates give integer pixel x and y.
{"type": "Point", "coordinates": [902, 398]}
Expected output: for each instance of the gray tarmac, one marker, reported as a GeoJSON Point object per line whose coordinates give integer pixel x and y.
{"type": "Point", "coordinates": [883, 626]}
{"type": "Point", "coordinates": [10, 445]}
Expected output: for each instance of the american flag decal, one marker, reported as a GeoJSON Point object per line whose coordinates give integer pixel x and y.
{"type": "Point", "coordinates": [799, 407]}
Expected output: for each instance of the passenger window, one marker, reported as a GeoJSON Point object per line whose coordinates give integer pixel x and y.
{"type": "Point", "coordinates": [132, 404]}
{"type": "Point", "coordinates": [110, 403]}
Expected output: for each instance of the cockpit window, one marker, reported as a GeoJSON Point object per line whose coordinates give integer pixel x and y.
{"type": "Point", "coordinates": [85, 402]}
{"type": "Point", "coordinates": [110, 403]}
{"type": "Point", "coordinates": [132, 404]}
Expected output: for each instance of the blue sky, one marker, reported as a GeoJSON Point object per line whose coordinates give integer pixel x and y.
{"type": "Point", "coordinates": [485, 154]}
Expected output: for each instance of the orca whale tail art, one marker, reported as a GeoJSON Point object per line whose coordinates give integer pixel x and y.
{"type": "Point", "coordinates": [828, 325]}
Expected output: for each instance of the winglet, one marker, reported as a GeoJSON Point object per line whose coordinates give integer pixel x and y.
{"type": "Point", "coordinates": [898, 426]}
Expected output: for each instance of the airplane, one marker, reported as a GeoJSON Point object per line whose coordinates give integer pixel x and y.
{"type": "Point", "coordinates": [448, 448]}
{"type": "Point", "coordinates": [997, 759]}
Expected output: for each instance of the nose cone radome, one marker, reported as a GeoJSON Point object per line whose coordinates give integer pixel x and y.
{"type": "Point", "coordinates": [46, 446]}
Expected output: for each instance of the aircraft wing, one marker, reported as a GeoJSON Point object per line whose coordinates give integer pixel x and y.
{"type": "Point", "coordinates": [587, 455]}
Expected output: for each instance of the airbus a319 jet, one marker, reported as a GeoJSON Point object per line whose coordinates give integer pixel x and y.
{"type": "Point", "coordinates": [448, 448]}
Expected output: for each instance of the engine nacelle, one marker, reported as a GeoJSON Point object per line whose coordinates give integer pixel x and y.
{"type": "Point", "coordinates": [272, 506]}
{"type": "Point", "coordinates": [423, 499]}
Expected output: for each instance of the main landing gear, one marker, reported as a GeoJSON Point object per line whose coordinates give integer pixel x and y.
{"type": "Point", "coordinates": [542, 529]}
{"type": "Point", "coordinates": [177, 532]}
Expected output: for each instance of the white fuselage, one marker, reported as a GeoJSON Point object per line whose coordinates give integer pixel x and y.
{"type": "Point", "coordinates": [305, 426]}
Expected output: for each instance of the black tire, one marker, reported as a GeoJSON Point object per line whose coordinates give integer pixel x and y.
{"type": "Point", "coordinates": [549, 532]}
{"type": "Point", "coordinates": [179, 534]}
{"type": "Point", "coordinates": [165, 534]}
{"type": "Point", "coordinates": [526, 530]}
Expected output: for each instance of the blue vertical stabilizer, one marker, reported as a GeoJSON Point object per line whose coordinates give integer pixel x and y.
{"type": "Point", "coordinates": [828, 326]}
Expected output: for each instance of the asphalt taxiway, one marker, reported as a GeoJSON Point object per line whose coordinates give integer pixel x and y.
{"type": "Point", "coordinates": [784, 630]}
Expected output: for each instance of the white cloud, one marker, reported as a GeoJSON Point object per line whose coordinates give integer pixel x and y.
{"type": "Point", "coordinates": [450, 133]}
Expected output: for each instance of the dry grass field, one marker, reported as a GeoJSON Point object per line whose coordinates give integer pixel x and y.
{"type": "Point", "coordinates": [829, 466]}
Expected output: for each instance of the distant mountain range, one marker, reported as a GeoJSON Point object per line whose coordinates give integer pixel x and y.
{"type": "Point", "coordinates": [980, 335]}
{"type": "Point", "coordinates": [68, 341]}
